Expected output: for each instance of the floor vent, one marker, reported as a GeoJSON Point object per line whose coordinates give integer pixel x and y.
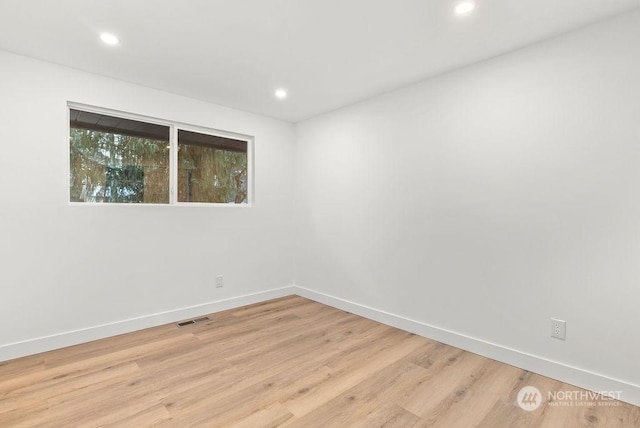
{"type": "Point", "coordinates": [193, 321]}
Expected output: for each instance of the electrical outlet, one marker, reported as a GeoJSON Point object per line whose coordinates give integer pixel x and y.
{"type": "Point", "coordinates": [219, 281]}
{"type": "Point", "coordinates": [558, 329]}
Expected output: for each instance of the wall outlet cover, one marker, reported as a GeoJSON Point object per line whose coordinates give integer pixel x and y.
{"type": "Point", "coordinates": [558, 329]}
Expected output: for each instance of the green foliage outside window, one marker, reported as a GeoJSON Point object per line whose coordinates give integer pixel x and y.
{"type": "Point", "coordinates": [108, 167]}
{"type": "Point", "coordinates": [207, 174]}
{"type": "Point", "coordinates": [114, 168]}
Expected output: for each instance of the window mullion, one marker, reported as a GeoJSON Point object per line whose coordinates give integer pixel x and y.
{"type": "Point", "coordinates": [173, 165]}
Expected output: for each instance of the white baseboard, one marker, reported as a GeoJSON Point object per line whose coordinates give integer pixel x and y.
{"type": "Point", "coordinates": [536, 364]}
{"type": "Point", "coordinates": [69, 338]}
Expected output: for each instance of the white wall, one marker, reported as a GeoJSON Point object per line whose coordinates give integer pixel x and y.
{"type": "Point", "coordinates": [67, 267]}
{"type": "Point", "coordinates": [485, 201]}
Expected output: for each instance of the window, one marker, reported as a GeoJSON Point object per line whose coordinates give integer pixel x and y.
{"type": "Point", "coordinates": [124, 160]}
{"type": "Point", "coordinates": [211, 168]}
{"type": "Point", "coordinates": [118, 160]}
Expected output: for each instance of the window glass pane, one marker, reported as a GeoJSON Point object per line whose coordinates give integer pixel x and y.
{"type": "Point", "coordinates": [118, 160]}
{"type": "Point", "coordinates": [211, 169]}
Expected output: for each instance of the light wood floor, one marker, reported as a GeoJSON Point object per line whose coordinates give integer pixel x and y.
{"type": "Point", "coordinates": [286, 362]}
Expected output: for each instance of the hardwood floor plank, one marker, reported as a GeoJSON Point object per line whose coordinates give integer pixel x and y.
{"type": "Point", "coordinates": [364, 398]}
{"type": "Point", "coordinates": [507, 412]}
{"type": "Point", "coordinates": [474, 398]}
{"type": "Point", "coordinates": [334, 386]}
{"type": "Point", "coordinates": [92, 363]}
{"type": "Point", "coordinates": [152, 416]}
{"type": "Point", "coordinates": [34, 394]}
{"type": "Point", "coordinates": [270, 417]}
{"type": "Point", "coordinates": [21, 367]}
{"type": "Point", "coordinates": [441, 384]}
{"type": "Point", "coordinates": [388, 416]}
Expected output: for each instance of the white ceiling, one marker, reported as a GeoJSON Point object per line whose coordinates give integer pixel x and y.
{"type": "Point", "coordinates": [326, 53]}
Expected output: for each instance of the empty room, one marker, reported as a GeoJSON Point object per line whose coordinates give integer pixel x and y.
{"type": "Point", "coordinates": [297, 213]}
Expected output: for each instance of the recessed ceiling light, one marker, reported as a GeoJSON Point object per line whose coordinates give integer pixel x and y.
{"type": "Point", "coordinates": [109, 39]}
{"type": "Point", "coordinates": [464, 7]}
{"type": "Point", "coordinates": [281, 94]}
